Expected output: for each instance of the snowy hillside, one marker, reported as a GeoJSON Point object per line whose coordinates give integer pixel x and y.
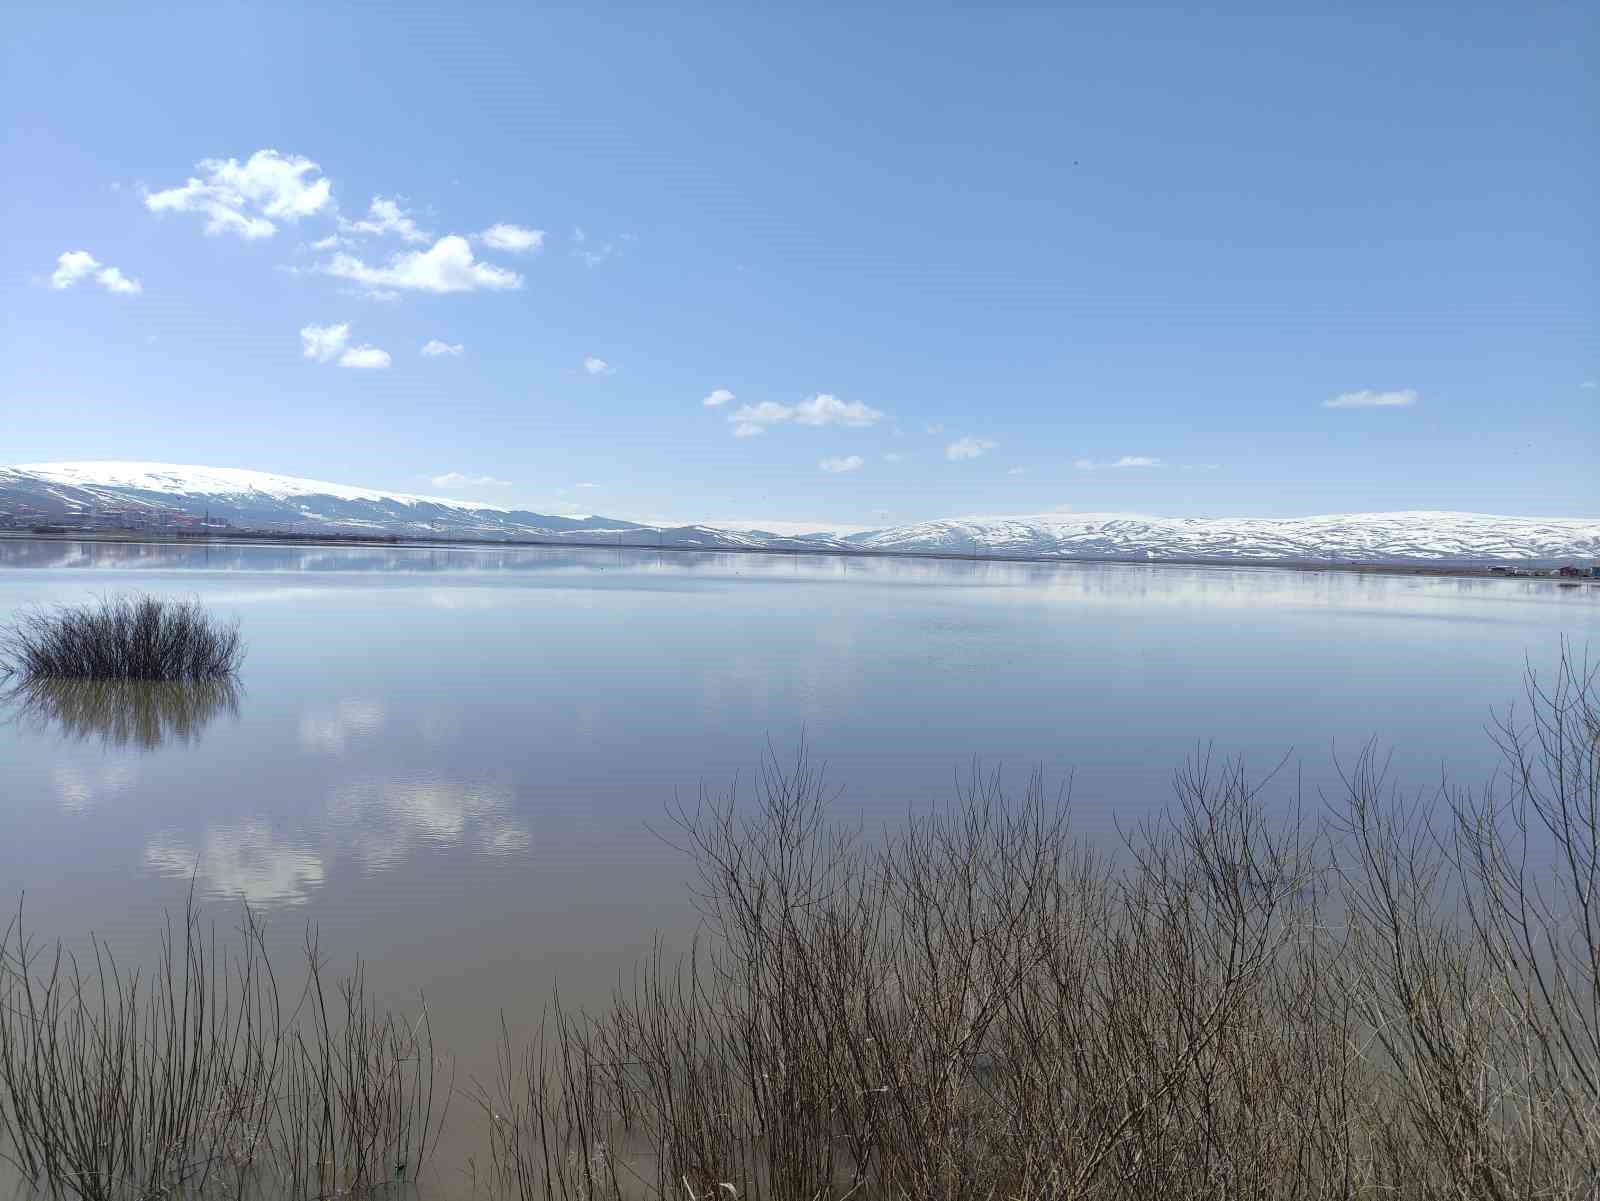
{"type": "Point", "coordinates": [146, 495]}
{"type": "Point", "coordinates": [153, 492]}
{"type": "Point", "coordinates": [135, 496]}
{"type": "Point", "coordinates": [178, 479]}
{"type": "Point", "coordinates": [1414, 537]}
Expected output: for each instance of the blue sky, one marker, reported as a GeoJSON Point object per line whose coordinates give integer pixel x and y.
{"type": "Point", "coordinates": [947, 260]}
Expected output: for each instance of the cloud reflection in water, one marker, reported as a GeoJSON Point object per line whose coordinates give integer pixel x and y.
{"type": "Point", "coordinates": [331, 730]}
{"type": "Point", "coordinates": [77, 788]}
{"type": "Point", "coordinates": [387, 819]}
{"type": "Point", "coordinates": [245, 860]}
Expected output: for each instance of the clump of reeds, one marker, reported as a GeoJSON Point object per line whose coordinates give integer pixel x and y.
{"type": "Point", "coordinates": [196, 1079]}
{"type": "Point", "coordinates": [122, 638]}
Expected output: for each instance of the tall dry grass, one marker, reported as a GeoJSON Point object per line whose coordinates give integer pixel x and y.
{"type": "Point", "coordinates": [200, 1078]}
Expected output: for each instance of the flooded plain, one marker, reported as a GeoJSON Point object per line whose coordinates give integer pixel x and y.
{"type": "Point", "coordinates": [454, 761]}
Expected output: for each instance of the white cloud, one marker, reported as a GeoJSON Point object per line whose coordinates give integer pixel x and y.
{"type": "Point", "coordinates": [586, 484]}
{"type": "Point", "coordinates": [1115, 464]}
{"type": "Point", "coordinates": [1366, 399]}
{"type": "Point", "coordinates": [327, 243]}
{"type": "Point", "coordinates": [365, 358]}
{"type": "Point", "coordinates": [598, 366]}
{"type": "Point", "coordinates": [75, 265]}
{"type": "Point", "coordinates": [847, 463]}
{"type": "Point", "coordinates": [244, 199]}
{"type": "Point", "coordinates": [717, 398]}
{"type": "Point", "coordinates": [822, 409]}
{"type": "Point", "coordinates": [72, 266]}
{"type": "Point", "coordinates": [433, 348]}
{"type": "Point", "coordinates": [113, 280]}
{"type": "Point", "coordinates": [457, 479]}
{"type": "Point", "coordinates": [1590, 385]}
{"type": "Point", "coordinates": [448, 266]}
{"type": "Point", "coordinates": [323, 343]}
{"type": "Point", "coordinates": [386, 217]}
{"type": "Point", "coordinates": [593, 253]}
{"type": "Point", "coordinates": [935, 428]}
{"type": "Point", "coordinates": [894, 456]}
{"type": "Point", "coordinates": [968, 448]}
{"type": "Point", "coordinates": [515, 238]}
{"type": "Point", "coordinates": [1018, 471]}
{"type": "Point", "coordinates": [224, 220]}
{"type": "Point", "coordinates": [750, 420]}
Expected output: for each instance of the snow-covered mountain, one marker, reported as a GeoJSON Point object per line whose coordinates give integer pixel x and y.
{"type": "Point", "coordinates": [131, 495]}
{"type": "Point", "coordinates": [155, 492]}
{"type": "Point", "coordinates": [110, 494]}
{"type": "Point", "coordinates": [1407, 537]}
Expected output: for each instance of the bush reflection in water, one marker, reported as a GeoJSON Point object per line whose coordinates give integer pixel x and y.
{"type": "Point", "coordinates": [120, 713]}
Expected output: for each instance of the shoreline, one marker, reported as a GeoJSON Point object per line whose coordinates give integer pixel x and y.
{"type": "Point", "coordinates": [1460, 570]}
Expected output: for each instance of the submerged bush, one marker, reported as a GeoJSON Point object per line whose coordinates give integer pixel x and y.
{"type": "Point", "coordinates": [122, 638]}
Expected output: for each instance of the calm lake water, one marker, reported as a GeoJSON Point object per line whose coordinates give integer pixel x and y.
{"type": "Point", "coordinates": [448, 759]}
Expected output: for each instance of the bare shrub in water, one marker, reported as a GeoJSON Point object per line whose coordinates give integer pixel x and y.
{"type": "Point", "coordinates": [196, 1080]}
{"type": "Point", "coordinates": [122, 638]}
{"type": "Point", "coordinates": [116, 1084]}
{"type": "Point", "coordinates": [1394, 999]}
{"type": "Point", "coordinates": [358, 1089]}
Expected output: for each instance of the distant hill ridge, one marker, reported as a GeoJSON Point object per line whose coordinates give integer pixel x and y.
{"type": "Point", "coordinates": [144, 495]}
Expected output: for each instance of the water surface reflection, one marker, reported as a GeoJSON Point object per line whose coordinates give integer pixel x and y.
{"type": "Point", "coordinates": [452, 759]}
{"type": "Point", "coordinates": [121, 713]}
{"type": "Point", "coordinates": [247, 861]}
